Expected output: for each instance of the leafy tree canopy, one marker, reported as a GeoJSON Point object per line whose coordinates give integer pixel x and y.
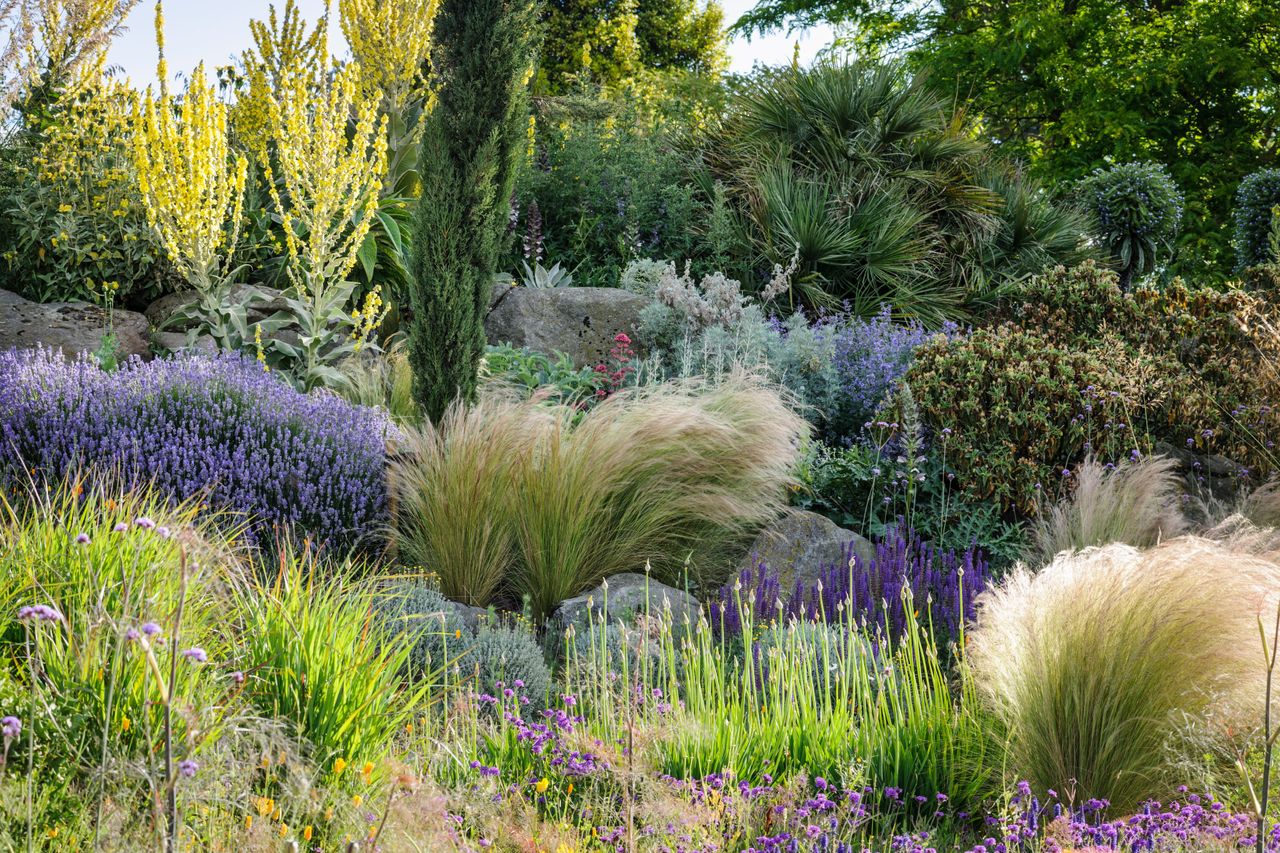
{"type": "Point", "coordinates": [610, 41]}
{"type": "Point", "coordinates": [1071, 85]}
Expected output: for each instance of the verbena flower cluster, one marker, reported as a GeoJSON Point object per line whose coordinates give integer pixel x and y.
{"type": "Point", "coordinates": [944, 586]}
{"type": "Point", "coordinates": [219, 428]}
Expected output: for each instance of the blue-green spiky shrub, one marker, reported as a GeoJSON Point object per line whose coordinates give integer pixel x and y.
{"type": "Point", "coordinates": [1256, 200]}
{"type": "Point", "coordinates": [1137, 211]}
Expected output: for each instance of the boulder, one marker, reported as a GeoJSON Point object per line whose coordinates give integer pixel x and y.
{"type": "Point", "coordinates": [801, 544]}
{"type": "Point", "coordinates": [625, 594]}
{"type": "Point", "coordinates": [581, 322]}
{"type": "Point", "coordinates": [177, 341]}
{"type": "Point", "coordinates": [162, 310]}
{"type": "Point", "coordinates": [72, 327]}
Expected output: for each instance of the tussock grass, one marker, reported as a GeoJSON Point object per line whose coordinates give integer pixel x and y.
{"type": "Point", "coordinates": [1088, 661]}
{"type": "Point", "coordinates": [536, 500]}
{"type": "Point", "coordinates": [1135, 504]}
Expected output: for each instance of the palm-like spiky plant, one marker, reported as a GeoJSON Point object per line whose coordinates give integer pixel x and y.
{"type": "Point", "coordinates": [874, 178]}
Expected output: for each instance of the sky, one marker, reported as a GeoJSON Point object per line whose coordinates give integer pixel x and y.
{"type": "Point", "coordinates": [217, 30]}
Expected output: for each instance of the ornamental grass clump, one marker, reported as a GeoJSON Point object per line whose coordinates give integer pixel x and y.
{"type": "Point", "coordinates": [218, 429]}
{"type": "Point", "coordinates": [511, 499]}
{"type": "Point", "coordinates": [1135, 504]}
{"type": "Point", "coordinates": [1092, 662]}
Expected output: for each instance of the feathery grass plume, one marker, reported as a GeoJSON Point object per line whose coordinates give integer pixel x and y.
{"type": "Point", "coordinates": [1262, 505]}
{"type": "Point", "coordinates": [451, 489]}
{"type": "Point", "coordinates": [543, 501]}
{"type": "Point", "coordinates": [381, 380]}
{"type": "Point", "coordinates": [1135, 503]}
{"type": "Point", "coordinates": [1089, 661]}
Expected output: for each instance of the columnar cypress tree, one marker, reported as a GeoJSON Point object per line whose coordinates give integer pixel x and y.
{"type": "Point", "coordinates": [471, 148]}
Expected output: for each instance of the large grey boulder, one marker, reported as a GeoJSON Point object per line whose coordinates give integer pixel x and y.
{"type": "Point", "coordinates": [629, 595]}
{"type": "Point", "coordinates": [73, 327]}
{"type": "Point", "coordinates": [581, 322]}
{"type": "Point", "coordinates": [801, 544]}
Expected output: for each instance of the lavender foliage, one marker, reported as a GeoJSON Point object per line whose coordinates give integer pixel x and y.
{"type": "Point", "coordinates": [216, 427]}
{"type": "Point", "coordinates": [944, 586]}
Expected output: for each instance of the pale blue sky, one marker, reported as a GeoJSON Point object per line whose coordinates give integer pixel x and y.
{"type": "Point", "coordinates": [215, 30]}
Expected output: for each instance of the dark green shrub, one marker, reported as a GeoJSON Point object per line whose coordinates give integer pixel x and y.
{"type": "Point", "coordinates": [1201, 362]}
{"type": "Point", "coordinates": [603, 190]}
{"type": "Point", "coordinates": [1137, 210]}
{"type": "Point", "coordinates": [1021, 410]}
{"type": "Point", "coordinates": [1256, 201]}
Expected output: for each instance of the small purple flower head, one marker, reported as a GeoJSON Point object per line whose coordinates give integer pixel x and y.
{"type": "Point", "coordinates": [151, 629]}
{"type": "Point", "coordinates": [144, 522]}
{"type": "Point", "coordinates": [237, 677]}
{"type": "Point", "coordinates": [82, 539]}
{"type": "Point", "coordinates": [39, 613]}
{"type": "Point", "coordinates": [120, 527]}
{"type": "Point", "coordinates": [196, 654]}
{"type": "Point", "coordinates": [132, 634]}
{"type": "Point", "coordinates": [1066, 472]}
{"type": "Point", "coordinates": [162, 532]}
{"type": "Point", "coordinates": [188, 768]}
{"type": "Point", "coordinates": [10, 727]}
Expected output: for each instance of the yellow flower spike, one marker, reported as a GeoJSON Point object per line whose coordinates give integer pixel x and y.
{"type": "Point", "coordinates": [265, 806]}
{"type": "Point", "coordinates": [306, 833]}
{"type": "Point", "coordinates": [284, 830]}
{"type": "Point", "coordinates": [367, 770]}
{"type": "Point", "coordinates": [339, 764]}
{"type": "Point", "coordinates": [357, 800]}
{"type": "Point", "coordinates": [192, 187]}
{"type": "Point", "coordinates": [248, 821]}
{"type": "Point", "coordinates": [392, 43]}
{"type": "Point", "coordinates": [125, 725]}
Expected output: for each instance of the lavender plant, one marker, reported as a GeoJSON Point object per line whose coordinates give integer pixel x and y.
{"type": "Point", "coordinates": [220, 428]}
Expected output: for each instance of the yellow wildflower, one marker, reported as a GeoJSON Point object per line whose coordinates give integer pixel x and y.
{"type": "Point", "coordinates": [541, 785]}
{"type": "Point", "coordinates": [339, 764]}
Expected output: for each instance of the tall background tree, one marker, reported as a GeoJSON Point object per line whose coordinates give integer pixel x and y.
{"type": "Point", "coordinates": [471, 147]}
{"type": "Point", "coordinates": [1072, 85]}
{"type": "Point", "coordinates": [609, 41]}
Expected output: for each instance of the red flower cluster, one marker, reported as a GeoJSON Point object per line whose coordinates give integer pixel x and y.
{"type": "Point", "coordinates": [614, 373]}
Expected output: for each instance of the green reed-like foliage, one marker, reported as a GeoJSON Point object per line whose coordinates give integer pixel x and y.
{"type": "Point", "coordinates": [318, 657]}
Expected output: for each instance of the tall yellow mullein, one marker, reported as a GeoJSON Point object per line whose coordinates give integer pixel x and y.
{"type": "Point", "coordinates": [330, 177]}
{"type": "Point", "coordinates": [191, 183]}
{"type": "Point", "coordinates": [286, 53]}
{"type": "Point", "coordinates": [62, 39]}
{"type": "Point", "coordinates": [391, 40]}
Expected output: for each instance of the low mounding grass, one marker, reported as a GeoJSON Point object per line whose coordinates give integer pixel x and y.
{"type": "Point", "coordinates": [1134, 504]}
{"type": "Point", "coordinates": [524, 498]}
{"type": "Point", "coordinates": [1089, 661]}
